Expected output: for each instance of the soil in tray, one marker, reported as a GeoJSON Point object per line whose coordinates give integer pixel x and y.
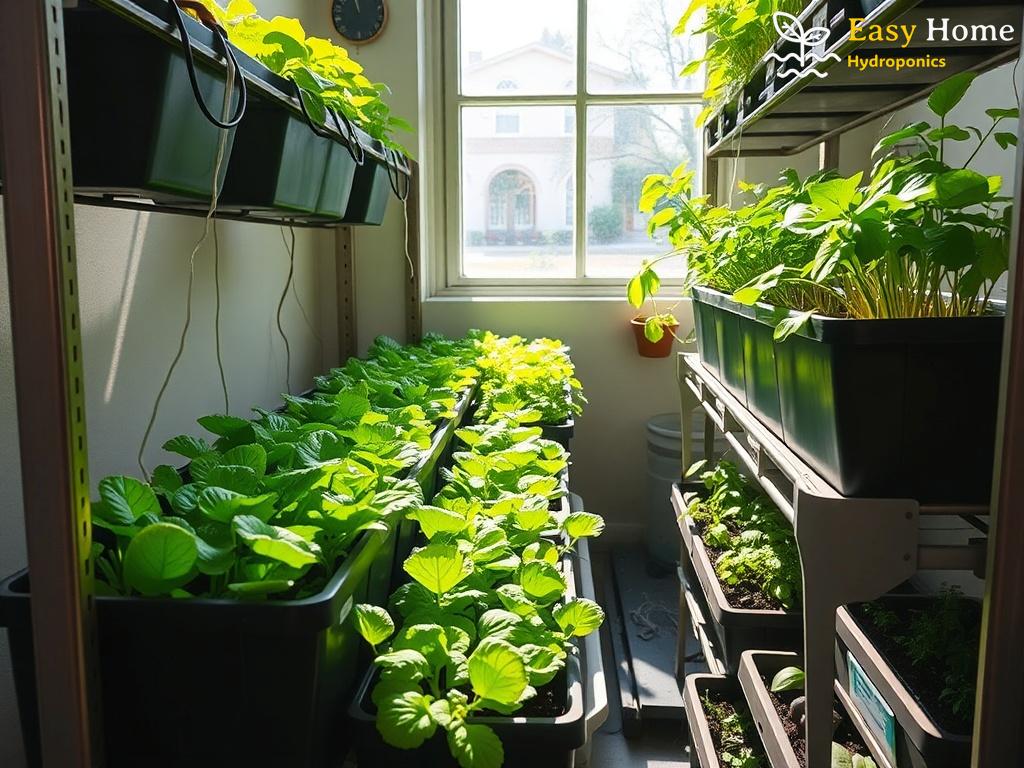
{"type": "Point", "coordinates": [732, 729]}
{"type": "Point", "coordinates": [744, 595]}
{"type": "Point", "coordinates": [941, 635]}
{"type": "Point", "coordinates": [845, 735]}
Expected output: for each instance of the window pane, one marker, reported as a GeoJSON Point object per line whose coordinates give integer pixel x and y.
{"type": "Point", "coordinates": [631, 48]}
{"type": "Point", "coordinates": [517, 192]}
{"type": "Point", "coordinates": [524, 47]}
{"type": "Point", "coordinates": [625, 144]}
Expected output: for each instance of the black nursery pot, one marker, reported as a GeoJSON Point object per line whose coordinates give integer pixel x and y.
{"type": "Point", "coordinates": [902, 408]}
{"type": "Point", "coordinates": [138, 129]}
{"type": "Point", "coordinates": [213, 683]}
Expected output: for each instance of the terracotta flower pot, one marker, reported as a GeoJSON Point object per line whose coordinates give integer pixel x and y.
{"type": "Point", "coordinates": [647, 348]}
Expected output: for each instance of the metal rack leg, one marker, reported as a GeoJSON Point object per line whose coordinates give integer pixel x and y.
{"type": "Point", "coordinates": [39, 227]}
{"type": "Point", "coordinates": [850, 551]}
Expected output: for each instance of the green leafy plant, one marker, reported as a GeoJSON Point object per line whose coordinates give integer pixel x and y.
{"type": "Point", "coordinates": [485, 620]}
{"type": "Point", "coordinates": [655, 326]}
{"type": "Point", "coordinates": [738, 33]}
{"type": "Point", "coordinates": [732, 726]}
{"type": "Point", "coordinates": [941, 640]}
{"type": "Point", "coordinates": [756, 543]}
{"type": "Point", "coordinates": [529, 381]}
{"type": "Point", "coordinates": [327, 76]}
{"type": "Point", "coordinates": [917, 238]}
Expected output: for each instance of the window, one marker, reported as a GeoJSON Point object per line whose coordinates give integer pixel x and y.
{"type": "Point", "coordinates": [506, 121]}
{"type": "Point", "coordinates": [590, 119]}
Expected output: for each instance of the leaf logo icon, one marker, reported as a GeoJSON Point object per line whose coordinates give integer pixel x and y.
{"type": "Point", "coordinates": [788, 26]}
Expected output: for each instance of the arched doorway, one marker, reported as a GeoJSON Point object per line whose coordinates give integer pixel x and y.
{"type": "Point", "coordinates": [511, 202]}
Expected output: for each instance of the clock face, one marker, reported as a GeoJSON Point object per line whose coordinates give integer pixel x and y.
{"type": "Point", "coordinates": [359, 20]}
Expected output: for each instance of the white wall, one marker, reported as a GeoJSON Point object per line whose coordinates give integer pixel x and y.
{"type": "Point", "coordinates": [132, 270]}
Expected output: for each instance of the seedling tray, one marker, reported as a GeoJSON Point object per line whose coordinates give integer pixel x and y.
{"type": "Point", "coordinates": [919, 739]}
{"type": "Point", "coordinates": [702, 745]}
{"type": "Point", "coordinates": [538, 742]}
{"type": "Point", "coordinates": [928, 385]}
{"type": "Point", "coordinates": [757, 667]}
{"type": "Point", "coordinates": [138, 130]}
{"type": "Point", "coordinates": [215, 682]}
{"type": "Point", "coordinates": [737, 629]}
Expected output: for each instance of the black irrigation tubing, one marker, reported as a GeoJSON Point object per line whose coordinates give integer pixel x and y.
{"type": "Point", "coordinates": [229, 57]}
{"type": "Point", "coordinates": [394, 178]}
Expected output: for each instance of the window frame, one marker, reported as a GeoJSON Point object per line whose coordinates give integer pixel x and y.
{"type": "Point", "coordinates": [448, 277]}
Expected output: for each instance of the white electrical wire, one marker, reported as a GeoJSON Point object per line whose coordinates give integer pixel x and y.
{"type": "Point", "coordinates": [215, 193]}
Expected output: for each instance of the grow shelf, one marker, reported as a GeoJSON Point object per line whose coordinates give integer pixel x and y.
{"type": "Point", "coordinates": [834, 534]}
{"type": "Point", "coordinates": [778, 116]}
{"type": "Point", "coordinates": [263, 88]}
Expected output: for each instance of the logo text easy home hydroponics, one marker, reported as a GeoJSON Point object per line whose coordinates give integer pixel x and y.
{"type": "Point", "coordinates": [937, 30]}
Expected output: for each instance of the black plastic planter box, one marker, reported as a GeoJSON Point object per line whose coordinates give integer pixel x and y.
{"type": "Point", "coordinates": [278, 162]}
{"type": "Point", "coordinates": [559, 433]}
{"type": "Point", "coordinates": [137, 127]}
{"type": "Point", "coordinates": [702, 746]}
{"type": "Point", "coordinates": [902, 408]}
{"type": "Point", "coordinates": [920, 741]}
{"type": "Point", "coordinates": [371, 190]}
{"type": "Point", "coordinates": [537, 742]}
{"type": "Point", "coordinates": [737, 629]}
{"type": "Point", "coordinates": [704, 326]}
{"type": "Point", "coordinates": [213, 683]}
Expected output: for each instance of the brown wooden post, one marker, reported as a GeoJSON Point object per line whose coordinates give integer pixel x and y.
{"type": "Point", "coordinates": [413, 307]}
{"type": "Point", "coordinates": [39, 226]}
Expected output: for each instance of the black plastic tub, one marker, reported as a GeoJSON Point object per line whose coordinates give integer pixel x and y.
{"type": "Point", "coordinates": [560, 433]}
{"type": "Point", "coordinates": [902, 408]}
{"type": "Point", "coordinates": [918, 738]}
{"type": "Point", "coordinates": [384, 173]}
{"type": "Point", "coordinates": [138, 129]}
{"type": "Point", "coordinates": [537, 742]}
{"type": "Point", "coordinates": [737, 629]}
{"type": "Point", "coordinates": [217, 682]}
{"type": "Point", "coordinates": [277, 163]}
{"type": "Point", "coordinates": [704, 327]}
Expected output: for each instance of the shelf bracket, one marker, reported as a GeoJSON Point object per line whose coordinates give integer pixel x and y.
{"type": "Point", "coordinates": [851, 550]}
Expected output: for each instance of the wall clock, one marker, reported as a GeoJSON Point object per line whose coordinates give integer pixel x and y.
{"type": "Point", "coordinates": [360, 21]}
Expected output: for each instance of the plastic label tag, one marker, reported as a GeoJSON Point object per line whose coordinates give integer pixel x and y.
{"type": "Point", "coordinates": [879, 718]}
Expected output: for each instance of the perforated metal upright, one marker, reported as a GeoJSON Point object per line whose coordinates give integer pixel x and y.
{"type": "Point", "coordinates": [39, 221]}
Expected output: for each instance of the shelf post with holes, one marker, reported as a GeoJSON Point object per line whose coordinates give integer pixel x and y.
{"type": "Point", "coordinates": [47, 350]}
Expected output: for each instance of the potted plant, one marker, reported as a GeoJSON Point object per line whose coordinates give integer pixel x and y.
{"type": "Point", "coordinates": [918, 654]}
{"type": "Point", "coordinates": [487, 627]}
{"type": "Point", "coordinates": [773, 688]}
{"type": "Point", "coordinates": [654, 334]}
{"type": "Point", "coordinates": [881, 315]}
{"type": "Point", "coordinates": [533, 382]}
{"type": "Point", "coordinates": [744, 560]}
{"type": "Point", "coordinates": [722, 732]}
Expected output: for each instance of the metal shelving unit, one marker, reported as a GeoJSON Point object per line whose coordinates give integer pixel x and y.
{"type": "Point", "coordinates": [784, 117]}
{"type": "Point", "coordinates": [770, 119]}
{"type": "Point", "coordinates": [39, 224]}
{"type": "Point", "coordinates": [833, 534]}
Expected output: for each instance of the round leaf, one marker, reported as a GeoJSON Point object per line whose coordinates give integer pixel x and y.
{"type": "Point", "coordinates": [405, 720]}
{"type": "Point", "coordinates": [126, 499]}
{"type": "Point", "coordinates": [581, 524]}
{"type": "Point", "coordinates": [438, 567]}
{"type": "Point", "coordinates": [476, 746]}
{"type": "Point", "coordinates": [373, 623]}
{"type": "Point", "coordinates": [788, 679]}
{"type": "Point", "coordinates": [160, 558]}
{"type": "Point", "coordinates": [541, 581]}
{"type": "Point", "coordinates": [497, 672]}
{"type": "Point", "coordinates": [579, 617]}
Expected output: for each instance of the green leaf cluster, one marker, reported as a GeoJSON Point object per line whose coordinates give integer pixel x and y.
{"type": "Point", "coordinates": [327, 76]}
{"type": "Point", "coordinates": [756, 543]}
{"type": "Point", "coordinates": [738, 34]}
{"type": "Point", "coordinates": [528, 381]}
{"type": "Point", "coordinates": [485, 620]}
{"type": "Point", "coordinates": [735, 734]}
{"type": "Point", "coordinates": [917, 237]}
